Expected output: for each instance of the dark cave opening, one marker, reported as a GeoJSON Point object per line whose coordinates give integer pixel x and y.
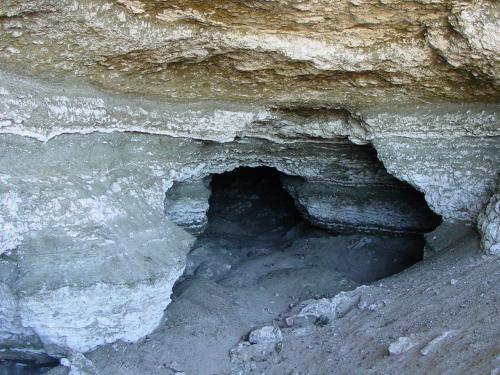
{"type": "Point", "coordinates": [252, 201]}
{"type": "Point", "coordinates": [254, 222]}
{"type": "Point", "coordinates": [26, 367]}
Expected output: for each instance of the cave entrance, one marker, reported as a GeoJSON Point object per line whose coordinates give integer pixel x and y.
{"type": "Point", "coordinates": [257, 236]}
{"type": "Point", "coordinates": [251, 204]}
{"type": "Point", "coordinates": [268, 245]}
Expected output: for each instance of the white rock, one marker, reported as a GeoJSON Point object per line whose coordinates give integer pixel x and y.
{"type": "Point", "coordinates": [438, 341]}
{"type": "Point", "coordinates": [489, 225]}
{"type": "Point", "coordinates": [265, 335]}
{"type": "Point", "coordinates": [401, 345]}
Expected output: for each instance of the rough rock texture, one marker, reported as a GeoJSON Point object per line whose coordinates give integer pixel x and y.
{"type": "Point", "coordinates": [457, 175]}
{"type": "Point", "coordinates": [277, 260]}
{"type": "Point", "coordinates": [489, 225]}
{"type": "Point", "coordinates": [362, 207]}
{"type": "Point", "coordinates": [349, 52]}
{"type": "Point", "coordinates": [190, 88]}
{"type": "Point", "coordinates": [100, 240]}
{"type": "Point", "coordinates": [417, 143]}
{"type": "Point", "coordinates": [89, 246]}
{"type": "Point", "coordinates": [186, 204]}
{"type": "Point", "coordinates": [412, 323]}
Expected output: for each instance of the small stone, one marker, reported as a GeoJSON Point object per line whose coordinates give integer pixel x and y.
{"type": "Point", "coordinates": [453, 281]}
{"type": "Point", "coordinates": [433, 344]}
{"type": "Point", "coordinates": [246, 352]}
{"type": "Point", "coordinates": [403, 344]}
{"type": "Point", "coordinates": [265, 335]}
{"type": "Point", "coordinates": [300, 320]}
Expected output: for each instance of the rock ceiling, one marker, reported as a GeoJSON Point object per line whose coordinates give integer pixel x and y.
{"type": "Point", "coordinates": [346, 53]}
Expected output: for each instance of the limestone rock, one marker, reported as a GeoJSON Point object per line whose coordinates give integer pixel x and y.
{"type": "Point", "coordinates": [489, 225]}
{"type": "Point", "coordinates": [99, 261]}
{"type": "Point", "coordinates": [78, 364]}
{"type": "Point", "coordinates": [186, 204]}
{"type": "Point", "coordinates": [112, 114]}
{"type": "Point", "coordinates": [378, 208]}
{"type": "Point", "coordinates": [436, 342]}
{"type": "Point", "coordinates": [308, 312]}
{"type": "Point", "coordinates": [402, 345]}
{"type": "Point", "coordinates": [456, 185]}
{"type": "Point", "coordinates": [344, 53]}
{"type": "Point", "coordinates": [472, 41]}
{"type": "Point", "coordinates": [265, 335]}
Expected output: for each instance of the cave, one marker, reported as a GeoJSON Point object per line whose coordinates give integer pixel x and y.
{"type": "Point", "coordinates": [249, 187]}
{"type": "Point", "coordinates": [251, 216]}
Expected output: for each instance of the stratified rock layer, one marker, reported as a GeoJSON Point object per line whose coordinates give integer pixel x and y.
{"type": "Point", "coordinates": [346, 53]}
{"type": "Point", "coordinates": [186, 204]}
{"type": "Point", "coordinates": [489, 225]}
{"type": "Point", "coordinates": [93, 257]}
{"type": "Point", "coordinates": [211, 87]}
{"type": "Point", "coordinates": [373, 208]}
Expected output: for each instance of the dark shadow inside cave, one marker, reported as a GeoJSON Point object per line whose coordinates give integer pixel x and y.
{"type": "Point", "coordinates": [27, 367]}
{"type": "Point", "coordinates": [251, 202]}
{"type": "Point", "coordinates": [256, 234]}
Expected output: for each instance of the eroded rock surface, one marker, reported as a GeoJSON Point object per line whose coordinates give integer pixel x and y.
{"type": "Point", "coordinates": [348, 53]}
{"type": "Point", "coordinates": [186, 204]}
{"type": "Point", "coordinates": [87, 256]}
{"type": "Point", "coordinates": [388, 207]}
{"type": "Point", "coordinates": [489, 225]}
{"type": "Point", "coordinates": [108, 105]}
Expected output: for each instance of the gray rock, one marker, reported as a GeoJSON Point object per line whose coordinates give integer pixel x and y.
{"type": "Point", "coordinates": [185, 93]}
{"type": "Point", "coordinates": [456, 185]}
{"type": "Point", "coordinates": [206, 253]}
{"type": "Point", "coordinates": [438, 341]}
{"type": "Point", "coordinates": [265, 335]}
{"type": "Point", "coordinates": [390, 207]}
{"type": "Point", "coordinates": [58, 370]}
{"type": "Point", "coordinates": [186, 204]}
{"type": "Point", "coordinates": [308, 312]}
{"type": "Point", "coordinates": [402, 345]}
{"type": "Point", "coordinates": [489, 225]}
{"type": "Point", "coordinates": [78, 364]}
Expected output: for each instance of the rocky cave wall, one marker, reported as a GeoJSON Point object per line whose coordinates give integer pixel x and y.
{"type": "Point", "coordinates": [105, 105]}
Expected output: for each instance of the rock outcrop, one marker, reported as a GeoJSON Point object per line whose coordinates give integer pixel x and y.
{"type": "Point", "coordinates": [91, 260]}
{"type": "Point", "coordinates": [393, 208]}
{"type": "Point", "coordinates": [186, 204]}
{"type": "Point", "coordinates": [351, 52]}
{"type": "Point", "coordinates": [489, 225]}
{"type": "Point", "coordinates": [113, 113]}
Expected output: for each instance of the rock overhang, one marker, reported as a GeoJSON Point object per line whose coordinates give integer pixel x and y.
{"type": "Point", "coordinates": [195, 89]}
{"type": "Point", "coordinates": [350, 53]}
